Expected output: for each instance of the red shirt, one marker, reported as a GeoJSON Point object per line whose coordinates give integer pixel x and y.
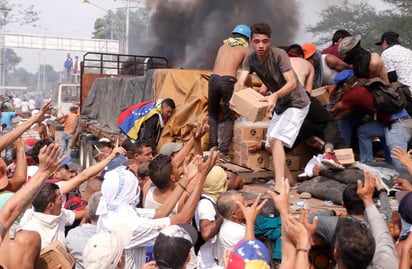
{"type": "Point", "coordinates": [333, 49]}
{"type": "Point", "coordinates": [361, 98]}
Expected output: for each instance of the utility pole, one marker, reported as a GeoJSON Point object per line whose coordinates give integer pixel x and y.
{"type": "Point", "coordinates": [126, 38]}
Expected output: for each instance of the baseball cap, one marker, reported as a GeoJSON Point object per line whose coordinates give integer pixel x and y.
{"type": "Point", "coordinates": [73, 108]}
{"type": "Point", "coordinates": [343, 76]}
{"type": "Point", "coordinates": [389, 36]}
{"type": "Point", "coordinates": [308, 49]}
{"type": "Point", "coordinates": [348, 43]}
{"type": "Point", "coordinates": [170, 147]}
{"type": "Point", "coordinates": [173, 244]}
{"type": "Point", "coordinates": [250, 254]}
{"type": "Point", "coordinates": [104, 250]}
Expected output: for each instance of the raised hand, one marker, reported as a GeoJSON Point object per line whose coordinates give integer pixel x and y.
{"type": "Point", "coordinates": [206, 165]}
{"type": "Point", "coordinates": [365, 191]}
{"type": "Point", "coordinates": [46, 107]}
{"type": "Point", "coordinates": [402, 156]}
{"type": "Point", "coordinates": [250, 213]}
{"type": "Point", "coordinates": [402, 184]}
{"type": "Point", "coordinates": [282, 199]}
{"type": "Point", "coordinates": [48, 158]}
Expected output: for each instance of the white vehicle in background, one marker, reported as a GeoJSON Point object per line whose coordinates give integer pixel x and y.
{"type": "Point", "coordinates": [67, 95]}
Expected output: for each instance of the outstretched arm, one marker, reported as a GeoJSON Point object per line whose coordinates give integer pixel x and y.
{"type": "Point", "coordinates": [20, 173]}
{"type": "Point", "coordinates": [189, 208]}
{"type": "Point", "coordinates": [67, 186]}
{"type": "Point", "coordinates": [9, 138]}
{"type": "Point", "coordinates": [22, 198]}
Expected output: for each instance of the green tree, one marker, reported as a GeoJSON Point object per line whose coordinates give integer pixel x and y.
{"type": "Point", "coordinates": [111, 26]}
{"type": "Point", "coordinates": [364, 19]}
{"type": "Point", "coordinates": [114, 24]}
{"type": "Point", "coordinates": [17, 13]}
{"type": "Point", "coordinates": [11, 60]}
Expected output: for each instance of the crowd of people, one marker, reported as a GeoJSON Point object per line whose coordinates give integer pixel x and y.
{"type": "Point", "coordinates": [175, 206]}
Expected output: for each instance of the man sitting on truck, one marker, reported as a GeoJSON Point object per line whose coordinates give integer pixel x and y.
{"type": "Point", "coordinates": [152, 127]}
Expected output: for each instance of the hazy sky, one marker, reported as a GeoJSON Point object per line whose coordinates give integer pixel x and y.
{"type": "Point", "coordinates": [75, 19]}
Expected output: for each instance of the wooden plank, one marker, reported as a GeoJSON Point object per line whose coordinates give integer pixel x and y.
{"type": "Point", "coordinates": [248, 175]}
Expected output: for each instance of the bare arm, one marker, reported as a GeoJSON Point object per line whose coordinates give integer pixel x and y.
{"type": "Point", "coordinates": [309, 80]}
{"type": "Point", "coordinates": [20, 173]}
{"type": "Point", "coordinates": [208, 228]}
{"type": "Point", "coordinates": [22, 198]}
{"type": "Point", "coordinates": [8, 138]}
{"type": "Point", "coordinates": [289, 86]}
{"type": "Point", "coordinates": [190, 172]}
{"type": "Point", "coordinates": [189, 208]}
{"type": "Point", "coordinates": [67, 186]}
{"type": "Point", "coordinates": [335, 63]}
{"type": "Point", "coordinates": [282, 205]}
{"type": "Point", "coordinates": [241, 82]}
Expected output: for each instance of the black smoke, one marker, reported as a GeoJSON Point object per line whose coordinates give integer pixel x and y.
{"type": "Point", "coordinates": [189, 32]}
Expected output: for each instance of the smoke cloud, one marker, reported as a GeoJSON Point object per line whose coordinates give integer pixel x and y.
{"type": "Point", "coordinates": [189, 32]}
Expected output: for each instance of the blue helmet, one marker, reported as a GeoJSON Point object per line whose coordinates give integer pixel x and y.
{"type": "Point", "coordinates": [242, 29]}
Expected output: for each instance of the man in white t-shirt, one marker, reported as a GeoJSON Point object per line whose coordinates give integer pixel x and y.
{"type": "Point", "coordinates": [47, 217]}
{"type": "Point", "coordinates": [207, 219]}
{"type": "Point", "coordinates": [233, 228]}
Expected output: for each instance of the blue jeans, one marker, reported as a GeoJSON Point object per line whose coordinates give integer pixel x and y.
{"type": "Point", "coordinates": [398, 135]}
{"type": "Point", "coordinates": [365, 134]}
{"type": "Point", "coordinates": [65, 143]}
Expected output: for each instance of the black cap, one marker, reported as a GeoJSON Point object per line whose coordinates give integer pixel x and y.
{"type": "Point", "coordinates": [390, 36]}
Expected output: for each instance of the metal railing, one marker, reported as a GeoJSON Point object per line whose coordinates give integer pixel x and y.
{"type": "Point", "coordinates": [121, 64]}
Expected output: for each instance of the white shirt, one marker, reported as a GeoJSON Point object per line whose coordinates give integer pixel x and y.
{"type": "Point", "coordinates": [145, 231]}
{"type": "Point", "coordinates": [399, 58]}
{"type": "Point", "coordinates": [205, 210]}
{"type": "Point", "coordinates": [230, 234]}
{"type": "Point", "coordinates": [17, 102]}
{"type": "Point", "coordinates": [32, 104]}
{"type": "Point", "coordinates": [24, 106]}
{"type": "Point", "coordinates": [50, 227]}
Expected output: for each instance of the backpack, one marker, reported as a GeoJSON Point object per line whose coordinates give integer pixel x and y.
{"type": "Point", "coordinates": [388, 98]}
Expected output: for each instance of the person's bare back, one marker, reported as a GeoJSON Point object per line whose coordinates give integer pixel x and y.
{"type": "Point", "coordinates": [304, 70]}
{"type": "Point", "coordinates": [377, 67]}
{"type": "Point", "coordinates": [229, 59]}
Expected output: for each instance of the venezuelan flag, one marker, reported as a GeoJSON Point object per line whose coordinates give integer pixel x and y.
{"type": "Point", "coordinates": [130, 121]}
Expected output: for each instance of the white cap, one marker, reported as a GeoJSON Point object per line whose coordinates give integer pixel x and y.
{"type": "Point", "coordinates": [104, 250]}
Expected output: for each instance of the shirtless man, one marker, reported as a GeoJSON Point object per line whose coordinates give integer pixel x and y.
{"type": "Point", "coordinates": [222, 82]}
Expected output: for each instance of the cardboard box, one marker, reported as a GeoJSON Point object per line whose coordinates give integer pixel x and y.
{"type": "Point", "coordinates": [345, 156]}
{"type": "Point", "coordinates": [53, 255]}
{"type": "Point", "coordinates": [292, 162]}
{"type": "Point", "coordinates": [240, 155]}
{"type": "Point", "coordinates": [322, 95]}
{"type": "Point", "coordinates": [242, 133]}
{"type": "Point", "coordinates": [246, 103]}
{"type": "Point", "coordinates": [252, 160]}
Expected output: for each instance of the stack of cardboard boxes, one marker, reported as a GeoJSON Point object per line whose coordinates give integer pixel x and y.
{"type": "Point", "coordinates": [244, 135]}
